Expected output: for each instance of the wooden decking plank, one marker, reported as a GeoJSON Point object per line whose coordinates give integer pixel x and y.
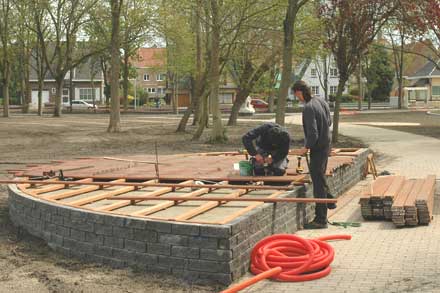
{"type": "Point", "coordinates": [395, 186]}
{"type": "Point", "coordinates": [402, 195]}
{"type": "Point", "coordinates": [74, 192]}
{"type": "Point", "coordinates": [411, 199]}
{"type": "Point", "coordinates": [380, 185]}
{"type": "Point", "coordinates": [55, 187]}
{"type": "Point", "coordinates": [206, 207]}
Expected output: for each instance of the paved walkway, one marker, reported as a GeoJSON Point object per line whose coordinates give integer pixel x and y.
{"type": "Point", "coordinates": [380, 257]}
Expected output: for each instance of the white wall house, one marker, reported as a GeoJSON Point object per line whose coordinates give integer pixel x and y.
{"type": "Point", "coordinates": [318, 70]}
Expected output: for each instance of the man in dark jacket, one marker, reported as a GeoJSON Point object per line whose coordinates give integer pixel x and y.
{"type": "Point", "coordinates": [268, 144]}
{"type": "Point", "coordinates": [316, 125]}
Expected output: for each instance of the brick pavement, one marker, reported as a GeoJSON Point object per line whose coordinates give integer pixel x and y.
{"type": "Point", "coordinates": [380, 257]}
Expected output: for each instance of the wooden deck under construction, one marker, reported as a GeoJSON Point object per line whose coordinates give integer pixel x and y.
{"type": "Point", "coordinates": [184, 171]}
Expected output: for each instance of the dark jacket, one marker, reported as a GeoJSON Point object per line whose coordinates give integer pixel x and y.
{"type": "Point", "coordinates": [316, 123]}
{"type": "Point", "coordinates": [277, 149]}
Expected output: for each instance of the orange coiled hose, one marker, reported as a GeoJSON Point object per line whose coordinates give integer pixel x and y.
{"type": "Point", "coordinates": [288, 257]}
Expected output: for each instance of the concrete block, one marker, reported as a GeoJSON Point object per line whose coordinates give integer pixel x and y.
{"type": "Point", "coordinates": [114, 220]}
{"type": "Point", "coordinates": [123, 232]}
{"type": "Point", "coordinates": [103, 251]}
{"type": "Point", "coordinates": [215, 231]}
{"type": "Point", "coordinates": [57, 219]}
{"type": "Point", "coordinates": [113, 242]}
{"type": "Point", "coordinates": [172, 262]}
{"type": "Point", "coordinates": [217, 278]}
{"type": "Point", "coordinates": [103, 229]}
{"type": "Point", "coordinates": [208, 266]}
{"type": "Point", "coordinates": [77, 235]}
{"type": "Point", "coordinates": [135, 224]}
{"type": "Point", "coordinates": [129, 257]}
{"type": "Point", "coordinates": [185, 229]}
{"type": "Point", "coordinates": [94, 238]}
{"type": "Point", "coordinates": [145, 235]}
{"type": "Point", "coordinates": [185, 252]}
{"type": "Point", "coordinates": [144, 259]}
{"type": "Point", "coordinates": [134, 245]}
{"type": "Point", "coordinates": [215, 254]}
{"type": "Point", "coordinates": [160, 227]}
{"type": "Point", "coordinates": [159, 248]}
{"type": "Point", "coordinates": [173, 239]}
{"type": "Point", "coordinates": [202, 242]}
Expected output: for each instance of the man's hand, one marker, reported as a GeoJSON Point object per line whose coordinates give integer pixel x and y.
{"type": "Point", "coordinates": [259, 159]}
{"type": "Point", "coordinates": [304, 151]}
{"type": "Point", "coordinates": [269, 160]}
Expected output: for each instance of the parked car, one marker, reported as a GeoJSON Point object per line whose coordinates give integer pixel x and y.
{"type": "Point", "coordinates": [80, 105]}
{"type": "Point", "coordinates": [260, 104]}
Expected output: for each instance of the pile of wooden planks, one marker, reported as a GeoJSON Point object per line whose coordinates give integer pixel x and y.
{"type": "Point", "coordinates": [407, 202]}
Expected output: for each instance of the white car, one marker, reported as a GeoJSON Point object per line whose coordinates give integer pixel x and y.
{"type": "Point", "coordinates": [79, 104]}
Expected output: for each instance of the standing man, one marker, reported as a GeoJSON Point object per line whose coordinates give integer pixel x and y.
{"type": "Point", "coordinates": [269, 145]}
{"type": "Point", "coordinates": [316, 124]}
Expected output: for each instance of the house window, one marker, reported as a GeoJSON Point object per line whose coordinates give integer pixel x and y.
{"type": "Point", "coordinates": [333, 72]}
{"type": "Point", "coordinates": [160, 77]}
{"type": "Point", "coordinates": [436, 90]}
{"type": "Point", "coordinates": [333, 89]}
{"type": "Point", "coordinates": [146, 77]}
{"type": "Point", "coordinates": [161, 90]}
{"type": "Point", "coordinates": [313, 72]}
{"type": "Point", "coordinates": [151, 90]}
{"type": "Point", "coordinates": [54, 90]}
{"type": "Point", "coordinates": [315, 90]}
{"type": "Point", "coordinates": [86, 94]}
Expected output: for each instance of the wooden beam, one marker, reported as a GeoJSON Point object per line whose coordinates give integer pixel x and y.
{"type": "Point", "coordinates": [173, 185]}
{"type": "Point", "coordinates": [227, 198]}
{"type": "Point", "coordinates": [165, 205]}
{"type": "Point", "coordinates": [105, 195]}
{"type": "Point", "coordinates": [248, 208]}
{"type": "Point", "coordinates": [73, 192]}
{"type": "Point", "coordinates": [56, 187]}
{"type": "Point", "coordinates": [208, 206]}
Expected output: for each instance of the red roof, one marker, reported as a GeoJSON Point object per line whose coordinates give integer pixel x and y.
{"type": "Point", "coordinates": [150, 57]}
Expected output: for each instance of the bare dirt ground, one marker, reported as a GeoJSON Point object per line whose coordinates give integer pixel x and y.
{"type": "Point", "coordinates": [429, 124]}
{"type": "Point", "coordinates": [26, 263]}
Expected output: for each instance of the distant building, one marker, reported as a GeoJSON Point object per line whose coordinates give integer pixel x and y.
{"type": "Point", "coordinates": [82, 85]}
{"type": "Point", "coordinates": [152, 76]}
{"type": "Point", "coordinates": [425, 84]}
{"type": "Point", "coordinates": [317, 72]}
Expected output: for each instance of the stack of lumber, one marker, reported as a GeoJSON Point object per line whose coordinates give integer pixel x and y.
{"type": "Point", "coordinates": [407, 202]}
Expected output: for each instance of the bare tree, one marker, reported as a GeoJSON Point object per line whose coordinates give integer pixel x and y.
{"type": "Point", "coordinates": [351, 27]}
{"type": "Point", "coordinates": [293, 8]}
{"type": "Point", "coordinates": [115, 115]}
{"type": "Point", "coordinates": [5, 62]}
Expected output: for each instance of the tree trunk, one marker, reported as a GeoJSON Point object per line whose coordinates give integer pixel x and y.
{"type": "Point", "coordinates": [40, 95]}
{"type": "Point", "coordinates": [359, 81]}
{"type": "Point", "coordinates": [125, 79]}
{"type": "Point", "coordinates": [217, 134]}
{"type": "Point", "coordinates": [203, 117]}
{"type": "Point", "coordinates": [6, 79]}
{"type": "Point", "coordinates": [242, 94]}
{"type": "Point", "coordinates": [115, 116]}
{"type": "Point", "coordinates": [289, 22]}
{"type": "Point", "coordinates": [59, 82]}
{"type": "Point", "coordinates": [341, 86]}
{"type": "Point", "coordinates": [400, 79]}
{"type": "Point", "coordinates": [71, 89]}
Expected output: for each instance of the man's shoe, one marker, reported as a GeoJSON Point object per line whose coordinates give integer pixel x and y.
{"type": "Point", "coordinates": [331, 206]}
{"type": "Point", "coordinates": [315, 225]}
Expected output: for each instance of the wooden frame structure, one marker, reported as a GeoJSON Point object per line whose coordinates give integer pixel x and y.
{"type": "Point", "coordinates": [114, 197]}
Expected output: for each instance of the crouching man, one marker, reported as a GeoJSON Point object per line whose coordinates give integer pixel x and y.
{"type": "Point", "coordinates": [268, 144]}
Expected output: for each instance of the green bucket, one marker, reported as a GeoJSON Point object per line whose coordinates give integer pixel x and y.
{"type": "Point", "coordinates": [246, 168]}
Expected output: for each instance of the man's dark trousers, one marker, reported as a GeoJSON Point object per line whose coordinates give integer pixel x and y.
{"type": "Point", "coordinates": [318, 167]}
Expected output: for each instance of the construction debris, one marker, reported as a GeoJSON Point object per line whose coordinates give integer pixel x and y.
{"type": "Point", "coordinates": [407, 202]}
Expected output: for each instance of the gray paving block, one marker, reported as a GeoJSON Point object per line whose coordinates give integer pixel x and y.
{"type": "Point", "coordinates": [173, 239]}
{"type": "Point", "coordinates": [208, 266]}
{"type": "Point", "coordinates": [185, 252]}
{"type": "Point", "coordinates": [215, 254]}
{"type": "Point", "coordinates": [92, 237]}
{"type": "Point", "coordinates": [160, 227]}
{"type": "Point", "coordinates": [113, 242]}
{"type": "Point", "coordinates": [77, 235]}
{"type": "Point", "coordinates": [123, 232]}
{"type": "Point", "coordinates": [202, 242]}
{"type": "Point", "coordinates": [144, 235]}
{"type": "Point", "coordinates": [103, 229]}
{"type": "Point", "coordinates": [159, 248]}
{"type": "Point", "coordinates": [134, 245]}
{"type": "Point", "coordinates": [172, 262]}
{"type": "Point", "coordinates": [185, 229]}
{"type": "Point", "coordinates": [215, 231]}
{"type": "Point", "coordinates": [144, 259]}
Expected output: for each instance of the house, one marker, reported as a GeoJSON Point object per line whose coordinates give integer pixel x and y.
{"type": "Point", "coordinates": [82, 85]}
{"type": "Point", "coordinates": [317, 72]}
{"type": "Point", "coordinates": [425, 85]}
{"type": "Point", "coordinates": [152, 76]}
